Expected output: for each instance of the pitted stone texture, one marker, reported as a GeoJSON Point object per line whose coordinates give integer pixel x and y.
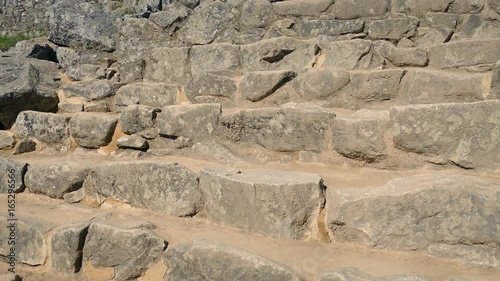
{"type": "Point", "coordinates": [170, 15]}
{"type": "Point", "coordinates": [282, 53]}
{"type": "Point", "coordinates": [131, 69]}
{"type": "Point", "coordinates": [206, 22]}
{"type": "Point", "coordinates": [353, 9]}
{"type": "Point", "coordinates": [415, 212]}
{"type": "Point", "coordinates": [137, 118]}
{"type": "Point", "coordinates": [300, 7]}
{"type": "Point", "coordinates": [212, 261]}
{"type": "Point", "coordinates": [478, 27]}
{"type": "Point", "coordinates": [320, 84]}
{"type": "Point", "coordinates": [82, 24]}
{"type": "Point", "coordinates": [194, 121]}
{"type": "Point", "coordinates": [215, 151]}
{"type": "Point", "coordinates": [46, 127]}
{"type": "Point", "coordinates": [221, 58]}
{"type": "Point", "coordinates": [465, 54]}
{"type": "Point", "coordinates": [129, 251]}
{"type": "Point", "coordinates": [148, 94]}
{"type": "Point", "coordinates": [273, 203]}
{"type": "Point", "coordinates": [428, 37]}
{"type": "Point", "coordinates": [25, 145]}
{"type": "Point", "coordinates": [55, 180]}
{"type": "Point", "coordinates": [433, 86]}
{"type": "Point", "coordinates": [480, 255]}
{"type": "Point", "coordinates": [67, 248]}
{"type": "Point", "coordinates": [165, 187]}
{"type": "Point", "coordinates": [292, 127]}
{"type": "Point", "coordinates": [313, 28]}
{"type": "Point", "coordinates": [465, 134]}
{"type": "Point", "coordinates": [256, 13]}
{"type": "Point", "coordinates": [395, 28]}
{"type": "Point", "coordinates": [442, 20]}
{"type": "Point", "coordinates": [6, 139]}
{"type": "Point", "coordinates": [220, 89]}
{"type": "Point", "coordinates": [133, 142]}
{"type": "Point", "coordinates": [91, 90]}
{"type": "Point", "coordinates": [361, 136]}
{"type": "Point", "coordinates": [419, 8]}
{"type": "Point", "coordinates": [255, 86]}
{"type": "Point", "coordinates": [495, 82]}
{"type": "Point", "coordinates": [370, 88]}
{"type": "Point", "coordinates": [92, 130]}
{"type": "Point", "coordinates": [9, 168]}
{"type": "Point", "coordinates": [401, 56]}
{"type": "Point", "coordinates": [30, 240]}
{"type": "Point", "coordinates": [167, 65]}
{"type": "Point", "coordinates": [349, 54]}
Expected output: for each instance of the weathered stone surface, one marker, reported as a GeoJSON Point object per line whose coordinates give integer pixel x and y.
{"type": "Point", "coordinates": [6, 139]}
{"type": "Point", "coordinates": [92, 130]}
{"type": "Point", "coordinates": [431, 37]}
{"type": "Point", "coordinates": [214, 151]}
{"type": "Point", "coordinates": [91, 90]}
{"type": "Point", "coordinates": [395, 28]}
{"type": "Point", "coordinates": [148, 94]}
{"type": "Point", "coordinates": [466, 6]}
{"type": "Point", "coordinates": [30, 244]}
{"type": "Point", "coordinates": [129, 251]}
{"type": "Point", "coordinates": [433, 86]}
{"type": "Point", "coordinates": [75, 196]}
{"type": "Point", "coordinates": [401, 56]}
{"type": "Point", "coordinates": [82, 24]}
{"type": "Point", "coordinates": [24, 146]}
{"type": "Point", "coordinates": [321, 83]}
{"type": "Point", "coordinates": [352, 9]}
{"type": "Point", "coordinates": [442, 20]}
{"type": "Point", "coordinates": [133, 142]}
{"type": "Point", "coordinates": [278, 54]}
{"type": "Point", "coordinates": [206, 85]}
{"type": "Point", "coordinates": [55, 180]}
{"type": "Point", "coordinates": [369, 88]}
{"type": "Point", "coordinates": [46, 127]}
{"type": "Point", "coordinates": [136, 118]}
{"type": "Point", "coordinates": [419, 8]}
{"type": "Point", "coordinates": [345, 54]}
{"type": "Point", "coordinates": [170, 15]}
{"type": "Point", "coordinates": [194, 121]}
{"type": "Point", "coordinates": [495, 5]}
{"type": "Point", "coordinates": [14, 169]}
{"type": "Point", "coordinates": [255, 86]}
{"type": "Point", "coordinates": [206, 260]}
{"type": "Point", "coordinates": [66, 248]}
{"type": "Point", "coordinates": [256, 13]}
{"type": "Point", "coordinates": [313, 28]}
{"type": "Point", "coordinates": [206, 22]}
{"type": "Point", "coordinates": [464, 134]}
{"type": "Point", "coordinates": [167, 65]}
{"type": "Point", "coordinates": [10, 277]}
{"type": "Point", "coordinates": [354, 274]}
{"type": "Point", "coordinates": [131, 69]}
{"type": "Point", "coordinates": [478, 27]}
{"type": "Point", "coordinates": [292, 127]}
{"type": "Point", "coordinates": [166, 187]}
{"type": "Point", "coordinates": [361, 136]}
{"type": "Point", "coordinates": [495, 82]}
{"type": "Point", "coordinates": [25, 86]}
{"type": "Point", "coordinates": [222, 58]}
{"type": "Point", "coordinates": [479, 255]}
{"type": "Point", "coordinates": [465, 54]}
{"type": "Point", "coordinates": [71, 107]}
{"type": "Point", "coordinates": [300, 7]}
{"type": "Point", "coordinates": [415, 212]}
{"type": "Point", "coordinates": [81, 72]}
{"type": "Point", "coordinates": [296, 200]}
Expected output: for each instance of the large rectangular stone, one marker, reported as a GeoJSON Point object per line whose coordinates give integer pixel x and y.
{"type": "Point", "coordinates": [167, 65]}
{"type": "Point", "coordinates": [465, 134]}
{"type": "Point", "coordinates": [274, 203]}
{"type": "Point", "coordinates": [313, 28]}
{"type": "Point", "coordinates": [465, 54]}
{"type": "Point", "coordinates": [220, 58]}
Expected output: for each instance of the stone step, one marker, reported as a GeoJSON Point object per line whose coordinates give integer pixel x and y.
{"type": "Point", "coordinates": [120, 243]}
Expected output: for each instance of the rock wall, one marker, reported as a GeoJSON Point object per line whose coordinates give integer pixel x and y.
{"type": "Point", "coordinates": [28, 17]}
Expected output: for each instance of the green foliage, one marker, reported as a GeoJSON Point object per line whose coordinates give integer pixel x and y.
{"type": "Point", "coordinates": [129, 11]}
{"type": "Point", "coordinates": [10, 41]}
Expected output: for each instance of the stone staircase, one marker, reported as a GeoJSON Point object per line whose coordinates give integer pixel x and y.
{"type": "Point", "coordinates": [255, 140]}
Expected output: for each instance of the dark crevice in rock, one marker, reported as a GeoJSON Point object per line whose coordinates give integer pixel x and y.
{"type": "Point", "coordinates": [277, 56]}
{"type": "Point", "coordinates": [81, 244]}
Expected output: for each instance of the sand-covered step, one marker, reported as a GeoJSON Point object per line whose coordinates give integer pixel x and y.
{"type": "Point", "coordinates": [418, 212]}
{"type": "Point", "coordinates": [465, 134]}
{"type": "Point", "coordinates": [270, 202]}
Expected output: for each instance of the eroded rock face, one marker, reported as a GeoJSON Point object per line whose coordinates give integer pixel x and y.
{"type": "Point", "coordinates": [205, 260]}
{"type": "Point", "coordinates": [50, 128]}
{"type": "Point", "coordinates": [291, 127]}
{"type": "Point", "coordinates": [92, 130]}
{"type": "Point", "coordinates": [256, 86]}
{"type": "Point", "coordinates": [82, 24]}
{"type": "Point", "coordinates": [67, 248]}
{"type": "Point", "coordinates": [463, 134]}
{"type": "Point", "coordinates": [463, 54]}
{"type": "Point", "coordinates": [165, 187]}
{"type": "Point", "coordinates": [415, 212]}
{"type": "Point", "coordinates": [129, 251]}
{"type": "Point", "coordinates": [273, 203]}
{"type": "Point", "coordinates": [91, 90]}
{"type": "Point", "coordinates": [137, 118]}
{"type": "Point", "coordinates": [319, 84]}
{"type": "Point", "coordinates": [16, 168]}
{"type": "Point", "coordinates": [140, 93]}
